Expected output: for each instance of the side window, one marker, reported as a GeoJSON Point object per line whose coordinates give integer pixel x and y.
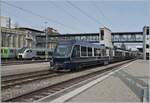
{"type": "Point", "coordinates": [76, 51]}
{"type": "Point", "coordinates": [83, 51]}
{"type": "Point", "coordinates": [50, 53]}
{"type": "Point", "coordinates": [94, 51]}
{"type": "Point", "coordinates": [89, 51]}
{"type": "Point", "coordinates": [29, 51]}
{"type": "Point", "coordinates": [11, 51]}
{"type": "Point", "coordinates": [103, 52]}
{"type": "Point", "coordinates": [97, 52]}
{"type": "Point", "coordinates": [5, 51]}
{"type": "Point", "coordinates": [40, 53]}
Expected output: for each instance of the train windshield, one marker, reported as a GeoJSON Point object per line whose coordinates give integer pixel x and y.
{"type": "Point", "coordinates": [62, 50]}
{"type": "Point", "coordinates": [22, 50]}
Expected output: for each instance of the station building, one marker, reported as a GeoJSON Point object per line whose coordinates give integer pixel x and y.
{"type": "Point", "coordinates": [132, 40]}
{"type": "Point", "coordinates": [105, 37]}
{"type": "Point", "coordinates": [19, 37]}
{"type": "Point", "coordinates": [22, 36]}
{"type": "Point", "coordinates": [146, 43]}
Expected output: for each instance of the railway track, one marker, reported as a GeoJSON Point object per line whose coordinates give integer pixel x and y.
{"type": "Point", "coordinates": [20, 79]}
{"type": "Point", "coordinates": [17, 62]}
{"type": "Point", "coordinates": [59, 89]}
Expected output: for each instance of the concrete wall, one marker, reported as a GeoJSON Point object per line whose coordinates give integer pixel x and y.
{"type": "Point", "coordinates": [146, 38]}
{"type": "Point", "coordinates": [107, 41]}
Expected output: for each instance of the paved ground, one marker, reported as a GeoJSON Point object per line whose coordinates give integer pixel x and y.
{"type": "Point", "coordinates": [125, 85]}
{"type": "Point", "coordinates": [23, 68]}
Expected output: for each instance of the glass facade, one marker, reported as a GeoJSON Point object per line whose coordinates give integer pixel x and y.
{"type": "Point", "coordinates": [127, 38]}
{"type": "Point", "coordinates": [93, 38]}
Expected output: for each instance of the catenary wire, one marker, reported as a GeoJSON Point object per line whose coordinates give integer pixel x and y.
{"type": "Point", "coordinates": [35, 14]}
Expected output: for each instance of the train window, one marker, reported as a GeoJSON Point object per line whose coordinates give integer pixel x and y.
{"type": "Point", "coordinates": [83, 51]}
{"type": "Point", "coordinates": [97, 52]}
{"type": "Point", "coordinates": [147, 46]}
{"type": "Point", "coordinates": [94, 51]}
{"type": "Point", "coordinates": [40, 53]}
{"type": "Point", "coordinates": [76, 51]}
{"type": "Point", "coordinates": [118, 53]}
{"type": "Point", "coordinates": [5, 51]}
{"type": "Point", "coordinates": [50, 53]}
{"type": "Point", "coordinates": [63, 50]}
{"type": "Point", "coordinates": [11, 50]}
{"type": "Point", "coordinates": [1, 50]}
{"type": "Point", "coordinates": [29, 51]}
{"type": "Point", "coordinates": [89, 51]}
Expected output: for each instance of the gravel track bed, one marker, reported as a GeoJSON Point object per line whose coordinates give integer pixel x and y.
{"type": "Point", "coordinates": [23, 75]}
{"type": "Point", "coordinates": [36, 85]}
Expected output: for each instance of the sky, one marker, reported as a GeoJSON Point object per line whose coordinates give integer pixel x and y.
{"type": "Point", "coordinates": [78, 16]}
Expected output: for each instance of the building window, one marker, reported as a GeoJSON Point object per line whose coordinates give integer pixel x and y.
{"type": "Point", "coordinates": [147, 31]}
{"type": "Point", "coordinates": [102, 34]}
{"type": "Point", "coordinates": [147, 46]}
{"type": "Point", "coordinates": [147, 56]}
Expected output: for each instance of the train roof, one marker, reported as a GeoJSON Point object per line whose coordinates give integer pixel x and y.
{"type": "Point", "coordinates": [82, 43]}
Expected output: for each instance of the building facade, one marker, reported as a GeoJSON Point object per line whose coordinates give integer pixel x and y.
{"type": "Point", "coordinates": [5, 22]}
{"type": "Point", "coordinates": [12, 38]}
{"type": "Point", "coordinates": [31, 36]}
{"type": "Point", "coordinates": [105, 37]}
{"type": "Point", "coordinates": [132, 40]}
{"type": "Point", "coordinates": [146, 43]}
{"type": "Point", "coordinates": [19, 37]}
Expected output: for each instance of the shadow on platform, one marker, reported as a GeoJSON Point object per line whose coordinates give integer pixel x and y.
{"type": "Point", "coordinates": [136, 84]}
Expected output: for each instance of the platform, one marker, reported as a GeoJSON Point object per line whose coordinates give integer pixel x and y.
{"type": "Point", "coordinates": [128, 84]}
{"type": "Point", "coordinates": [23, 68]}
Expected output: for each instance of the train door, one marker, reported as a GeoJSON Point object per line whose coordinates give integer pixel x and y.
{"type": "Point", "coordinates": [107, 52]}
{"type": "Point", "coordinates": [5, 53]}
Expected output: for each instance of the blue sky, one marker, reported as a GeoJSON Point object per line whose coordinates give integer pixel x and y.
{"type": "Point", "coordinates": [116, 15]}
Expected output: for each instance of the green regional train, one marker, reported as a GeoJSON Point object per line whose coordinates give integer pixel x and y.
{"type": "Point", "coordinates": [24, 53]}
{"type": "Point", "coordinates": [8, 53]}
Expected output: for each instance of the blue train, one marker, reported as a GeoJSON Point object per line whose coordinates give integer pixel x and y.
{"type": "Point", "coordinates": [74, 55]}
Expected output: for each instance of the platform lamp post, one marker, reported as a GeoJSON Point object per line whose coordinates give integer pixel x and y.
{"type": "Point", "coordinates": [99, 35]}
{"type": "Point", "coordinates": [46, 42]}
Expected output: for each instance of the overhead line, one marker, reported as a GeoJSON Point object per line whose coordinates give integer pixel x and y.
{"type": "Point", "coordinates": [65, 11]}
{"type": "Point", "coordinates": [100, 11]}
{"type": "Point", "coordinates": [35, 14]}
{"type": "Point", "coordinates": [83, 12]}
{"type": "Point", "coordinates": [75, 18]}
